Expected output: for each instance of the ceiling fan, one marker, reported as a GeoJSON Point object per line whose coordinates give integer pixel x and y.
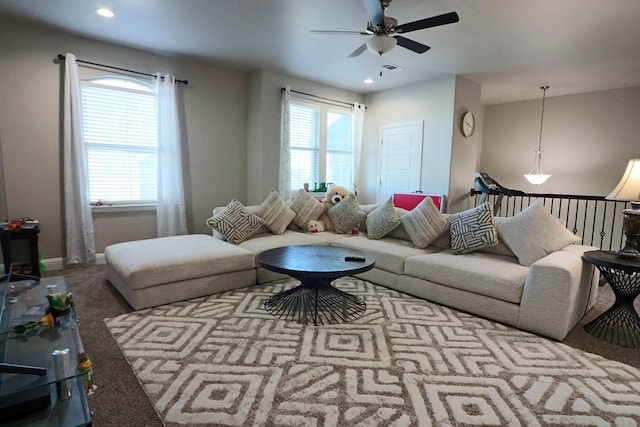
{"type": "Point", "coordinates": [386, 31]}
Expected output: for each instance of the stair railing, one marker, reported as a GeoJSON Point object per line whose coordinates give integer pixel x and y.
{"type": "Point", "coordinates": [596, 220]}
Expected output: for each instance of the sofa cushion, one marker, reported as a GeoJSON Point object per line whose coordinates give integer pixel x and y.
{"type": "Point", "coordinates": [252, 208]}
{"type": "Point", "coordinates": [473, 229]}
{"type": "Point", "coordinates": [261, 242]}
{"type": "Point", "coordinates": [534, 233]}
{"type": "Point", "coordinates": [424, 223]}
{"type": "Point", "coordinates": [389, 253]}
{"type": "Point", "coordinates": [347, 214]}
{"type": "Point", "coordinates": [276, 214]}
{"type": "Point", "coordinates": [399, 232]}
{"type": "Point", "coordinates": [501, 248]}
{"type": "Point", "coordinates": [495, 276]}
{"type": "Point", "coordinates": [150, 262]}
{"type": "Point", "coordinates": [382, 220]}
{"type": "Point", "coordinates": [306, 208]}
{"type": "Point", "coordinates": [235, 222]}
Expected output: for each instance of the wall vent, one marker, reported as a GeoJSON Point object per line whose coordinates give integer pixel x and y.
{"type": "Point", "coordinates": [392, 67]}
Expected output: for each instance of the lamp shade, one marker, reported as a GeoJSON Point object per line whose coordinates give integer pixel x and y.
{"type": "Point", "coordinates": [629, 186]}
{"type": "Point", "coordinates": [381, 44]}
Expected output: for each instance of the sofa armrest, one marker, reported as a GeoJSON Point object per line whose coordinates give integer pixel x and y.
{"type": "Point", "coordinates": [560, 288]}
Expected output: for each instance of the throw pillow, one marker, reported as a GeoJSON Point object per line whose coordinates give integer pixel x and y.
{"type": "Point", "coordinates": [235, 223]}
{"type": "Point", "coordinates": [534, 233]}
{"type": "Point", "coordinates": [473, 229]}
{"type": "Point", "coordinates": [347, 214]}
{"type": "Point", "coordinates": [382, 220]}
{"type": "Point", "coordinates": [306, 208]}
{"type": "Point", "coordinates": [276, 214]}
{"type": "Point", "coordinates": [424, 223]}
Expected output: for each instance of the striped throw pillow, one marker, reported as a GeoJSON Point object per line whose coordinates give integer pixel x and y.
{"type": "Point", "coordinates": [235, 222]}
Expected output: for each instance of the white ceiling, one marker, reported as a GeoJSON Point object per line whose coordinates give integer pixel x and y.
{"type": "Point", "coordinates": [511, 47]}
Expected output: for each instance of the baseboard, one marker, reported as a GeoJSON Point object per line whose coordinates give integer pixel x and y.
{"type": "Point", "coordinates": [59, 263]}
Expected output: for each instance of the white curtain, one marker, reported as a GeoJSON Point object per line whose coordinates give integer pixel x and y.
{"type": "Point", "coordinates": [357, 119]}
{"type": "Point", "coordinates": [79, 236]}
{"type": "Point", "coordinates": [171, 217]}
{"type": "Point", "coordinates": [284, 185]}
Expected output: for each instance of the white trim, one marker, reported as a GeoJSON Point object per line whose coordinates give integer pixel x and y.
{"type": "Point", "coordinates": [59, 263]}
{"type": "Point", "coordinates": [122, 208]}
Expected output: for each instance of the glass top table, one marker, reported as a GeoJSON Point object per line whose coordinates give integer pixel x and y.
{"type": "Point", "coordinates": [28, 378]}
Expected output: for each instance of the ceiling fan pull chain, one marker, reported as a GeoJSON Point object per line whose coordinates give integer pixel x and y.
{"type": "Point", "coordinates": [381, 66]}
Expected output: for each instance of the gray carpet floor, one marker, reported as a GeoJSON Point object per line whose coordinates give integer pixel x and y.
{"type": "Point", "coordinates": [121, 401]}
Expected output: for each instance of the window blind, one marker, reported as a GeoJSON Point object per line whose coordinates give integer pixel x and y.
{"type": "Point", "coordinates": [120, 137]}
{"type": "Point", "coordinates": [320, 143]}
{"type": "Point", "coordinates": [305, 145]}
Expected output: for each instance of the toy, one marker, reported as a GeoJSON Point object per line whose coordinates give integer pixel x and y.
{"type": "Point", "coordinates": [333, 196]}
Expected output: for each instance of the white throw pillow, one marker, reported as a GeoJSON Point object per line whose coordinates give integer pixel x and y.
{"type": "Point", "coordinates": [235, 223]}
{"type": "Point", "coordinates": [347, 214]}
{"type": "Point", "coordinates": [275, 212]}
{"type": "Point", "coordinates": [424, 223]}
{"type": "Point", "coordinates": [534, 233]}
{"type": "Point", "coordinates": [473, 229]}
{"type": "Point", "coordinates": [382, 220]}
{"type": "Point", "coordinates": [306, 208]}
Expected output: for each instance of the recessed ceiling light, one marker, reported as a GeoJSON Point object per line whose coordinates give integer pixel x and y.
{"type": "Point", "coordinates": [368, 81]}
{"type": "Point", "coordinates": [103, 11]}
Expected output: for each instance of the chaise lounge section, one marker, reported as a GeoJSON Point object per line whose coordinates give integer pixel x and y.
{"type": "Point", "coordinates": [159, 271]}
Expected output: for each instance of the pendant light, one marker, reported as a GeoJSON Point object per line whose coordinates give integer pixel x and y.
{"type": "Point", "coordinates": [535, 175]}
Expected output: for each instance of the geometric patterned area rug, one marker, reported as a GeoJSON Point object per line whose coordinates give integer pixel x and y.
{"type": "Point", "coordinates": [222, 360]}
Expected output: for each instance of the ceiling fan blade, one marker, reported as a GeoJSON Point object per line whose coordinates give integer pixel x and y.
{"type": "Point", "coordinates": [434, 21]}
{"type": "Point", "coordinates": [412, 45]}
{"type": "Point", "coordinates": [375, 12]}
{"type": "Point", "coordinates": [358, 51]}
{"type": "Point", "coordinates": [360, 33]}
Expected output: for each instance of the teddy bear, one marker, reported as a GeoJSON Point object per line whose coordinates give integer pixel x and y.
{"type": "Point", "coordinates": [333, 196]}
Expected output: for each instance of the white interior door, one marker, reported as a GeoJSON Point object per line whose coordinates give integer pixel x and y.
{"type": "Point", "coordinates": [400, 159]}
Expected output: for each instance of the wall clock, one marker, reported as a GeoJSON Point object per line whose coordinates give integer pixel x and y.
{"type": "Point", "coordinates": [467, 124]}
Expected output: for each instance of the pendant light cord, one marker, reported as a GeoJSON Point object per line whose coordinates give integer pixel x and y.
{"type": "Point", "coordinates": [544, 93]}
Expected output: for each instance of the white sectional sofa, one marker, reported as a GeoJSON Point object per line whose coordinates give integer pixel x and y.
{"type": "Point", "coordinates": [548, 297]}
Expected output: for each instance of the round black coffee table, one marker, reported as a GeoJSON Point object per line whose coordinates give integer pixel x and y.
{"type": "Point", "coordinates": [315, 301]}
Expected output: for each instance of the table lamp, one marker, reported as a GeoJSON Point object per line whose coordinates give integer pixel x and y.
{"type": "Point", "coordinates": [629, 189]}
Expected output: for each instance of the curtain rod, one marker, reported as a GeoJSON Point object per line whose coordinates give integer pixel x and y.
{"type": "Point", "coordinates": [319, 97]}
{"type": "Point", "coordinates": [61, 57]}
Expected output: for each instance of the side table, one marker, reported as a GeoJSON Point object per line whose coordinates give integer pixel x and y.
{"type": "Point", "coordinates": [620, 324]}
{"type": "Point", "coordinates": [31, 235]}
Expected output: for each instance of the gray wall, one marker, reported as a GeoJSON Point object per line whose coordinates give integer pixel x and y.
{"type": "Point", "coordinates": [465, 152]}
{"type": "Point", "coordinates": [434, 103]}
{"type": "Point", "coordinates": [449, 160]}
{"type": "Point", "coordinates": [232, 129]}
{"type": "Point", "coordinates": [263, 144]}
{"type": "Point", "coordinates": [587, 140]}
{"type": "Point", "coordinates": [213, 105]}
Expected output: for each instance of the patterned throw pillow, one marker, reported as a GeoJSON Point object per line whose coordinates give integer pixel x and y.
{"type": "Point", "coordinates": [235, 223]}
{"type": "Point", "coordinates": [306, 208]}
{"type": "Point", "coordinates": [347, 214]}
{"type": "Point", "coordinates": [276, 214]}
{"type": "Point", "coordinates": [534, 233]}
{"type": "Point", "coordinates": [473, 229]}
{"type": "Point", "coordinates": [424, 223]}
{"type": "Point", "coordinates": [382, 220]}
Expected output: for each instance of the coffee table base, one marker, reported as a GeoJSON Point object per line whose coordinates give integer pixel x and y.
{"type": "Point", "coordinates": [315, 302]}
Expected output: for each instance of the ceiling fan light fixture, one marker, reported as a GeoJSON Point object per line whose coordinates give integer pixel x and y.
{"type": "Point", "coordinates": [381, 44]}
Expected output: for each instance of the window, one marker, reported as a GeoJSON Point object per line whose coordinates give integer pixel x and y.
{"type": "Point", "coordinates": [121, 139]}
{"type": "Point", "coordinates": [321, 144]}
